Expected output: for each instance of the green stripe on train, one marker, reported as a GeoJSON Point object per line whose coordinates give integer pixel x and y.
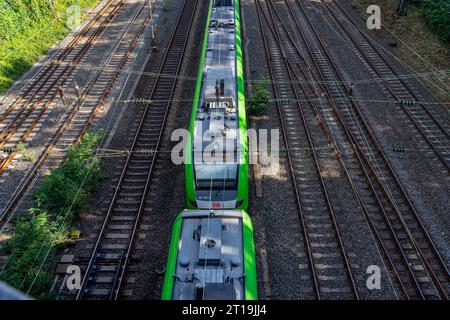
{"type": "Point", "coordinates": [172, 259]}
{"type": "Point", "coordinates": [251, 291]}
{"type": "Point", "coordinates": [243, 168]}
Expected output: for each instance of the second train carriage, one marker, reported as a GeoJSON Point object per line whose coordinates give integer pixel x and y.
{"type": "Point", "coordinates": [211, 257]}
{"type": "Point", "coordinates": [217, 153]}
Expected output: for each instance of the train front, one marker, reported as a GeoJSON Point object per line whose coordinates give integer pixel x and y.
{"type": "Point", "coordinates": [211, 257]}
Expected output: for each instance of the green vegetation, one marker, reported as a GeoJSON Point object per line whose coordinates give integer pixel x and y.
{"type": "Point", "coordinates": [28, 28]}
{"type": "Point", "coordinates": [28, 263]}
{"type": "Point", "coordinates": [64, 193]}
{"type": "Point", "coordinates": [437, 15]}
{"type": "Point", "coordinates": [167, 5]}
{"type": "Point", "coordinates": [62, 187]}
{"type": "Point", "coordinates": [27, 155]}
{"type": "Point", "coordinates": [20, 147]}
{"type": "Point", "coordinates": [258, 102]}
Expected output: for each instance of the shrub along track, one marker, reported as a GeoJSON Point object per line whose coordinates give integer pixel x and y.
{"type": "Point", "coordinates": [414, 38]}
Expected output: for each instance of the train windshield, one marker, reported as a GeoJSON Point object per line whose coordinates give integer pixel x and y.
{"type": "Point", "coordinates": [217, 176]}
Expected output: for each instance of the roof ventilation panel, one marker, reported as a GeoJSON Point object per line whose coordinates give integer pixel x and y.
{"type": "Point", "coordinates": [210, 251]}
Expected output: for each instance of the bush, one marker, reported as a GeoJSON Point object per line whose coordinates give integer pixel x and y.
{"type": "Point", "coordinates": [437, 14]}
{"type": "Point", "coordinates": [64, 192]}
{"type": "Point", "coordinates": [57, 193]}
{"type": "Point", "coordinates": [258, 102]}
{"type": "Point", "coordinates": [61, 191]}
{"type": "Point", "coordinates": [32, 240]}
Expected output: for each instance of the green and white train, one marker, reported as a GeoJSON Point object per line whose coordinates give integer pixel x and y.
{"type": "Point", "coordinates": [212, 254]}
{"type": "Point", "coordinates": [218, 126]}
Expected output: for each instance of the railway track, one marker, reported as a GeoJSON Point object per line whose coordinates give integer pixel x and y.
{"type": "Point", "coordinates": [413, 260]}
{"type": "Point", "coordinates": [106, 270]}
{"type": "Point", "coordinates": [425, 269]}
{"type": "Point", "coordinates": [328, 260]}
{"type": "Point", "coordinates": [426, 123]}
{"type": "Point", "coordinates": [22, 116]}
{"type": "Point", "coordinates": [105, 11]}
{"type": "Point", "coordinates": [76, 121]}
{"type": "Point", "coordinates": [420, 262]}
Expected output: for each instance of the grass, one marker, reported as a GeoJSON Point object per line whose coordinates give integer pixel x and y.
{"type": "Point", "coordinates": [65, 193]}
{"type": "Point", "coordinates": [29, 245]}
{"type": "Point", "coordinates": [28, 28]}
{"type": "Point", "coordinates": [27, 155]}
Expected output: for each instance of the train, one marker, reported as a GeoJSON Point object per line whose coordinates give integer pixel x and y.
{"type": "Point", "coordinates": [218, 119]}
{"type": "Point", "coordinates": [212, 252]}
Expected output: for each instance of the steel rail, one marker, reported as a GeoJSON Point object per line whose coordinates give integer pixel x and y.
{"type": "Point", "coordinates": [392, 92]}
{"type": "Point", "coordinates": [294, 179]}
{"type": "Point", "coordinates": [364, 157]}
{"type": "Point", "coordinates": [122, 267]}
{"type": "Point", "coordinates": [50, 68]}
{"type": "Point", "coordinates": [302, 58]}
{"type": "Point", "coordinates": [316, 162]}
{"type": "Point", "coordinates": [401, 285]}
{"type": "Point", "coordinates": [356, 149]}
{"type": "Point", "coordinates": [11, 205]}
{"type": "Point", "coordinates": [338, 156]}
{"type": "Point", "coordinates": [422, 256]}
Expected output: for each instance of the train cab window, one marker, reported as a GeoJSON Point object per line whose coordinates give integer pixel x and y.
{"type": "Point", "coordinates": [223, 3]}
{"type": "Point", "coordinates": [218, 176]}
{"type": "Point", "coordinates": [199, 293]}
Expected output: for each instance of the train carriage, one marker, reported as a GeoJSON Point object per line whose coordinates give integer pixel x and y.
{"type": "Point", "coordinates": [217, 157]}
{"type": "Point", "coordinates": [211, 257]}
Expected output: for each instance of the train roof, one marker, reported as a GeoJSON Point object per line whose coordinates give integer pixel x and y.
{"type": "Point", "coordinates": [217, 113]}
{"type": "Point", "coordinates": [210, 262]}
